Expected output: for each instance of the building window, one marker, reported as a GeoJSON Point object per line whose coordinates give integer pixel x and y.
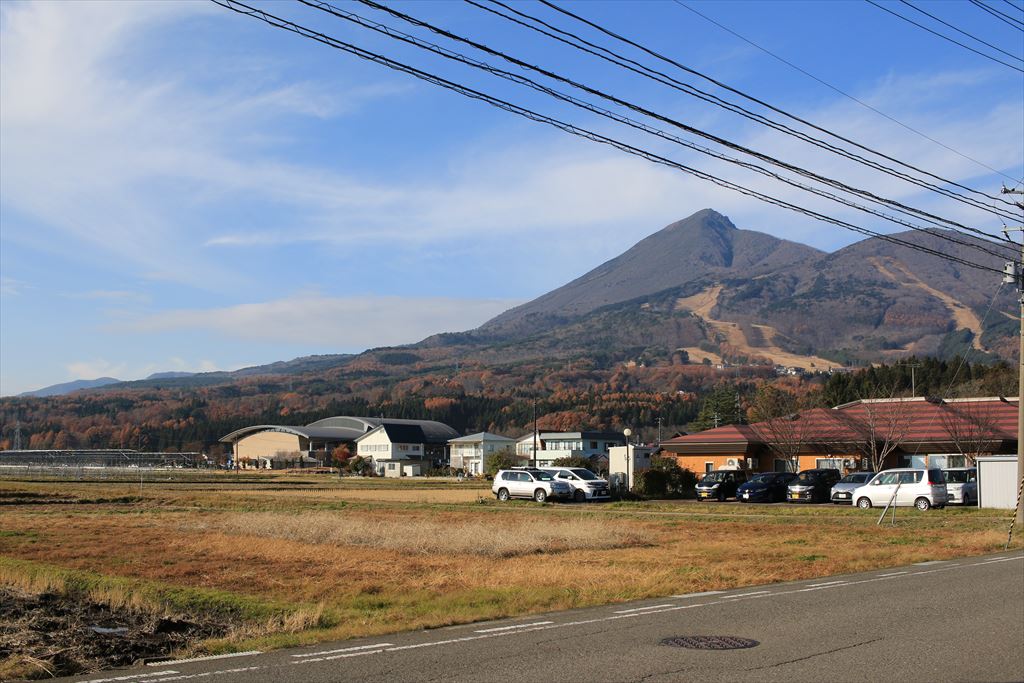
{"type": "Point", "coordinates": [709, 467]}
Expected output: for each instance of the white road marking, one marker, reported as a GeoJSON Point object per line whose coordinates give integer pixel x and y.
{"type": "Point", "coordinates": [133, 677]}
{"type": "Point", "coordinates": [207, 674]}
{"type": "Point", "coordinates": [175, 662]}
{"type": "Point", "coordinates": [344, 649]}
{"type": "Point", "coordinates": [827, 583]}
{"type": "Point", "coordinates": [892, 574]}
{"type": "Point", "coordinates": [346, 655]}
{"type": "Point", "coordinates": [641, 609]}
{"type": "Point", "coordinates": [697, 595]}
{"type": "Point", "coordinates": [509, 628]}
{"type": "Point", "coordinates": [929, 562]}
{"type": "Point", "coordinates": [743, 595]}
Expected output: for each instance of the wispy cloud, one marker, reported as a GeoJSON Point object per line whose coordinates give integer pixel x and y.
{"type": "Point", "coordinates": [351, 323]}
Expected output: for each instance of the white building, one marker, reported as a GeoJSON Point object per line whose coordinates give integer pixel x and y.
{"type": "Point", "coordinates": [402, 450]}
{"type": "Point", "coordinates": [553, 446]}
{"type": "Point", "coordinates": [469, 453]}
{"type": "Point", "coordinates": [626, 462]}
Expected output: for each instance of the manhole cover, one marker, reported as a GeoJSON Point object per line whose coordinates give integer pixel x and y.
{"type": "Point", "coordinates": [711, 642]}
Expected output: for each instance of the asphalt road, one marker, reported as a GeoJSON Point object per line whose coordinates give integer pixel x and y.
{"type": "Point", "coordinates": [958, 620]}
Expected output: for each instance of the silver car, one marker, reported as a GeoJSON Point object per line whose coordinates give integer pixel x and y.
{"type": "Point", "coordinates": [962, 485]}
{"type": "Point", "coordinates": [842, 493]}
{"type": "Point", "coordinates": [585, 484]}
{"type": "Point", "coordinates": [911, 486]}
{"type": "Point", "coordinates": [528, 483]}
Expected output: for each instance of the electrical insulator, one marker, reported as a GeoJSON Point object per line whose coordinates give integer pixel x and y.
{"type": "Point", "coordinates": [1011, 273]}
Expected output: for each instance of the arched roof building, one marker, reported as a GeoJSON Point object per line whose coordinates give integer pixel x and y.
{"type": "Point", "coordinates": [269, 442]}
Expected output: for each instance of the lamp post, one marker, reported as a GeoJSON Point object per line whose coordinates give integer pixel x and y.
{"type": "Point", "coordinates": [627, 432]}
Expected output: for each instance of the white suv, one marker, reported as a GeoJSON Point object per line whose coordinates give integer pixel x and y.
{"type": "Point", "coordinates": [529, 483]}
{"type": "Point", "coordinates": [585, 484]}
{"type": "Point", "coordinates": [918, 487]}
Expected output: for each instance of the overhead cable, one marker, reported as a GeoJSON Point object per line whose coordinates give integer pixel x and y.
{"type": "Point", "coordinates": [522, 80]}
{"type": "Point", "coordinates": [838, 90]}
{"type": "Point", "coordinates": [362, 53]}
{"type": "Point", "coordinates": [1005, 18]}
{"type": "Point", "coordinates": [752, 98]}
{"type": "Point", "coordinates": [943, 36]}
{"type": "Point", "coordinates": [961, 31]}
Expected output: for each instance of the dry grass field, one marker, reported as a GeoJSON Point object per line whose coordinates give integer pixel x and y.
{"type": "Point", "coordinates": [282, 565]}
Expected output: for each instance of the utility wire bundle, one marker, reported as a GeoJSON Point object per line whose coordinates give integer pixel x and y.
{"type": "Point", "coordinates": [633, 128]}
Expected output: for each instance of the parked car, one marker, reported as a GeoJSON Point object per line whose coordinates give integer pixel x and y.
{"type": "Point", "coordinates": [911, 486]}
{"type": "Point", "coordinates": [842, 492]}
{"type": "Point", "coordinates": [813, 486]}
{"type": "Point", "coordinates": [765, 487]}
{"type": "Point", "coordinates": [961, 485]}
{"type": "Point", "coordinates": [585, 484]}
{"type": "Point", "coordinates": [720, 484]}
{"type": "Point", "coordinates": [527, 483]}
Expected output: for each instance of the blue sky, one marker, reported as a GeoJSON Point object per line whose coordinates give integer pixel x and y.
{"type": "Point", "coordinates": [186, 188]}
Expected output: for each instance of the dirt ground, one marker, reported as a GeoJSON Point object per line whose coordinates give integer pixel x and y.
{"type": "Point", "coordinates": [58, 635]}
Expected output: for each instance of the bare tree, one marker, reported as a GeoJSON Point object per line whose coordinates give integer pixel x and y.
{"type": "Point", "coordinates": [971, 427]}
{"type": "Point", "coordinates": [778, 422]}
{"type": "Point", "coordinates": [874, 428]}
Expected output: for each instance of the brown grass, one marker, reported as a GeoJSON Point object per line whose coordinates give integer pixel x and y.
{"type": "Point", "coordinates": [346, 568]}
{"type": "Point", "coordinates": [422, 535]}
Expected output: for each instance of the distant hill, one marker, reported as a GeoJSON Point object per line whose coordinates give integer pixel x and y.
{"type": "Point", "coordinates": [68, 387]}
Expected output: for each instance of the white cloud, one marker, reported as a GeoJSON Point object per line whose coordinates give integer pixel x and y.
{"type": "Point", "coordinates": [353, 323]}
{"type": "Point", "coordinates": [95, 368]}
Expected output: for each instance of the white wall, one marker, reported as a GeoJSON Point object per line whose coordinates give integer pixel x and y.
{"type": "Point", "coordinates": [997, 482]}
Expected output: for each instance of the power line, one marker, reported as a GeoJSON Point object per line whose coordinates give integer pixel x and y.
{"type": "Point", "coordinates": [687, 88]}
{"type": "Point", "coordinates": [838, 90]}
{"type": "Point", "coordinates": [958, 30]}
{"type": "Point", "coordinates": [522, 80]}
{"type": "Point", "coordinates": [1005, 18]}
{"type": "Point", "coordinates": [944, 37]}
{"type": "Point", "coordinates": [1019, 9]}
{"type": "Point", "coordinates": [362, 53]}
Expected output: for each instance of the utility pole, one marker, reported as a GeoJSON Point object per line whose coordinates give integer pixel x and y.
{"type": "Point", "coordinates": [659, 432]}
{"type": "Point", "coordinates": [533, 460]}
{"type": "Point", "coordinates": [913, 382]}
{"type": "Point", "coordinates": [1012, 272]}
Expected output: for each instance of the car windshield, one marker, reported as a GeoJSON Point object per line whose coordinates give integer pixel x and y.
{"type": "Point", "coordinates": [958, 476]}
{"type": "Point", "coordinates": [855, 478]}
{"type": "Point", "coordinates": [763, 478]}
{"type": "Point", "coordinates": [713, 478]}
{"type": "Point", "coordinates": [541, 476]}
{"type": "Point", "coordinates": [584, 473]}
{"type": "Point", "coordinates": [807, 477]}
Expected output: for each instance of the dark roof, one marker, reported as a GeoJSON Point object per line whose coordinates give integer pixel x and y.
{"type": "Point", "coordinates": [348, 428]}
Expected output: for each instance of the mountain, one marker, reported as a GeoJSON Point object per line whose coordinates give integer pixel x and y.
{"type": "Point", "coordinates": [706, 244]}
{"type": "Point", "coordinates": [68, 387]}
{"type": "Point", "coordinates": [170, 375]}
{"type": "Point", "coordinates": [719, 293]}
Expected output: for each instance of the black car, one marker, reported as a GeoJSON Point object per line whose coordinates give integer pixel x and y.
{"type": "Point", "coordinates": [720, 484]}
{"type": "Point", "coordinates": [765, 487]}
{"type": "Point", "coordinates": [813, 486]}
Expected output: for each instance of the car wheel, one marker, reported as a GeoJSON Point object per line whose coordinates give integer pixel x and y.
{"type": "Point", "coordinates": [579, 496]}
{"type": "Point", "coordinates": [540, 495]}
{"type": "Point", "coordinates": [922, 504]}
{"type": "Point", "coordinates": [864, 503]}
{"type": "Point", "coordinates": [503, 494]}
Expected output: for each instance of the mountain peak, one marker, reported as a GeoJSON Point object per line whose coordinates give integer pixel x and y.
{"type": "Point", "coordinates": [701, 245]}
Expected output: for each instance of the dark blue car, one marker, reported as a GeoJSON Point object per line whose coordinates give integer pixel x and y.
{"type": "Point", "coordinates": [765, 487]}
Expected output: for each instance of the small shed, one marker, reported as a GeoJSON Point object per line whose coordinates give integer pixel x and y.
{"type": "Point", "coordinates": [997, 481]}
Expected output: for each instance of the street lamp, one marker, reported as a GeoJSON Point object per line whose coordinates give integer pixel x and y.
{"type": "Point", "coordinates": [627, 432]}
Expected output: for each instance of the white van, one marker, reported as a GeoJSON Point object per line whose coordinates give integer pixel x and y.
{"type": "Point", "coordinates": [962, 485]}
{"type": "Point", "coordinates": [918, 487]}
{"type": "Point", "coordinates": [585, 484]}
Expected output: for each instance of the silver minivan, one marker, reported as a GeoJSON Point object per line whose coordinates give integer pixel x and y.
{"type": "Point", "coordinates": [962, 485]}
{"type": "Point", "coordinates": [912, 486]}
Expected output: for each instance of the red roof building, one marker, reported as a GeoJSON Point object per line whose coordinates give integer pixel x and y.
{"type": "Point", "coordinates": [866, 435]}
